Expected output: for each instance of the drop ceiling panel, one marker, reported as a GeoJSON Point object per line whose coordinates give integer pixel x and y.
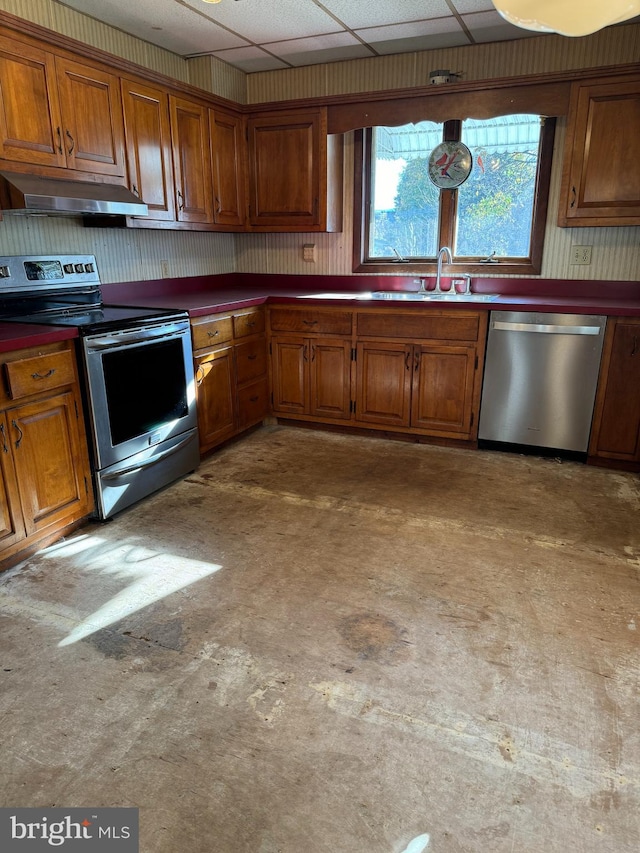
{"type": "Point", "coordinates": [312, 51]}
{"type": "Point", "coordinates": [162, 22]}
{"type": "Point", "coordinates": [491, 26]}
{"type": "Point", "coordinates": [263, 21]}
{"type": "Point", "coordinates": [251, 59]}
{"type": "Point", "coordinates": [294, 33]}
{"type": "Point", "coordinates": [375, 13]}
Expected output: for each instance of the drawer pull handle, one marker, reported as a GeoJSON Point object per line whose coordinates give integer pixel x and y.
{"type": "Point", "coordinates": [407, 360]}
{"type": "Point", "coordinates": [4, 439]}
{"type": "Point", "coordinates": [43, 375]}
{"type": "Point", "coordinates": [73, 142]}
{"type": "Point", "coordinates": [310, 322]}
{"type": "Point", "coordinates": [213, 334]}
{"type": "Point", "coordinates": [21, 436]}
{"type": "Point", "coordinates": [254, 399]}
{"type": "Point", "coordinates": [251, 322]}
{"type": "Point", "coordinates": [573, 197]}
{"type": "Point", "coordinates": [59, 140]}
{"type": "Point", "coordinates": [634, 348]}
{"type": "Point", "coordinates": [252, 357]}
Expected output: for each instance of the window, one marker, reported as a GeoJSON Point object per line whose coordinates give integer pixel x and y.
{"type": "Point", "coordinates": [493, 221]}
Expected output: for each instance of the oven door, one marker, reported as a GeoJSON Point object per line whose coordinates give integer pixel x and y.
{"type": "Point", "coordinates": [140, 388]}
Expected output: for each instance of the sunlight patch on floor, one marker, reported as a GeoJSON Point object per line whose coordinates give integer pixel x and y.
{"type": "Point", "coordinates": [153, 574]}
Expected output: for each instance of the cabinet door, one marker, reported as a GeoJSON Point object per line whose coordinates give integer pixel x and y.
{"type": "Point", "coordinates": [616, 427]}
{"type": "Point", "coordinates": [253, 403]}
{"type": "Point", "coordinates": [330, 378]}
{"type": "Point", "coordinates": [251, 360]}
{"type": "Point", "coordinates": [50, 461]}
{"type": "Point", "coordinates": [30, 123]}
{"type": "Point", "coordinates": [191, 161]}
{"type": "Point", "coordinates": [287, 167]}
{"type": "Point", "coordinates": [228, 168]}
{"type": "Point", "coordinates": [384, 371]}
{"type": "Point", "coordinates": [93, 127]}
{"type": "Point", "coordinates": [148, 142]}
{"type": "Point", "coordinates": [290, 371]}
{"type": "Point", "coordinates": [11, 523]}
{"type": "Point", "coordinates": [442, 398]}
{"type": "Point", "coordinates": [601, 183]}
{"type": "Point", "coordinates": [215, 396]}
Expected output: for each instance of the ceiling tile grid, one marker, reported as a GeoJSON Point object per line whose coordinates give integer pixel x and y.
{"type": "Point", "coordinates": [266, 35]}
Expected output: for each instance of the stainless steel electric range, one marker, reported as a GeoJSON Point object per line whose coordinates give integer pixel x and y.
{"type": "Point", "coordinates": [137, 373]}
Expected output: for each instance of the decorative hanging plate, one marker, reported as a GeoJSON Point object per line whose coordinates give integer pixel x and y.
{"type": "Point", "coordinates": [450, 165]}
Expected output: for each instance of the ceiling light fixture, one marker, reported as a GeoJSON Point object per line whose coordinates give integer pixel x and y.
{"type": "Point", "coordinates": [211, 1]}
{"type": "Point", "coordinates": [566, 17]}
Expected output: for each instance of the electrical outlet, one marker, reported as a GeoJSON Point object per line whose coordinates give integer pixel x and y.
{"type": "Point", "coordinates": [309, 252]}
{"type": "Point", "coordinates": [580, 254]}
{"type": "Point", "coordinates": [164, 268]}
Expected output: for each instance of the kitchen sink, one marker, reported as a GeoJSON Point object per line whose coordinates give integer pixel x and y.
{"type": "Point", "coordinates": [417, 296]}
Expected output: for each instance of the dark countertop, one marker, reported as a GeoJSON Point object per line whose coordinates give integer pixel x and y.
{"type": "Point", "coordinates": [21, 335]}
{"type": "Point", "coordinates": [199, 303]}
{"type": "Point", "coordinates": [203, 295]}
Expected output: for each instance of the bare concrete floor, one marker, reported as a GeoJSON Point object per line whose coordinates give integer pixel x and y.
{"type": "Point", "coordinates": [320, 643]}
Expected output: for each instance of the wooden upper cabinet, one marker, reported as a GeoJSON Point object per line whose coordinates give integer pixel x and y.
{"type": "Point", "coordinates": [601, 176]}
{"type": "Point", "coordinates": [228, 164]}
{"type": "Point", "coordinates": [295, 175]}
{"type": "Point", "coordinates": [93, 128]}
{"type": "Point", "coordinates": [191, 160]}
{"type": "Point", "coordinates": [30, 120]}
{"type": "Point", "coordinates": [148, 143]}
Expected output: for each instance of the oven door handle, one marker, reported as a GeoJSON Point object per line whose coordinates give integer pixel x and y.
{"type": "Point", "coordinates": [149, 462]}
{"type": "Point", "coordinates": [128, 339]}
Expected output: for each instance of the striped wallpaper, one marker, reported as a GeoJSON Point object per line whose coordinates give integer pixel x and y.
{"type": "Point", "coordinates": [124, 255]}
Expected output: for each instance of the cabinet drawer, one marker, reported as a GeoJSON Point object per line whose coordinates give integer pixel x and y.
{"type": "Point", "coordinates": [210, 331]}
{"type": "Point", "coordinates": [452, 327]}
{"type": "Point", "coordinates": [31, 375]}
{"type": "Point", "coordinates": [249, 323]}
{"type": "Point", "coordinates": [252, 403]}
{"type": "Point", "coordinates": [311, 321]}
{"type": "Point", "coordinates": [251, 360]}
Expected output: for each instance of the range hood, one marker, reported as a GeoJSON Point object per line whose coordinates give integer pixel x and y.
{"type": "Point", "coordinates": [31, 194]}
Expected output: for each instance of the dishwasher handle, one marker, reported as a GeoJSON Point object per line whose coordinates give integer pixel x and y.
{"type": "Point", "coordinates": [545, 328]}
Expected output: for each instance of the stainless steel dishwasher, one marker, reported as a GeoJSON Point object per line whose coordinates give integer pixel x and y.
{"type": "Point", "coordinates": [540, 378]}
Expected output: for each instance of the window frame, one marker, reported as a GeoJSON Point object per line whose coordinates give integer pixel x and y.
{"type": "Point", "coordinates": [531, 265]}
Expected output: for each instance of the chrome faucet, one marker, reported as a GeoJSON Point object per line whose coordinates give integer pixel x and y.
{"type": "Point", "coordinates": [444, 250]}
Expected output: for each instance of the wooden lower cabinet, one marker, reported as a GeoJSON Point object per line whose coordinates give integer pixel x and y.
{"type": "Point", "coordinates": [384, 375]}
{"type": "Point", "coordinates": [615, 434]}
{"type": "Point", "coordinates": [443, 389]}
{"type": "Point", "coordinates": [12, 528]}
{"type": "Point", "coordinates": [418, 372]}
{"type": "Point", "coordinates": [230, 356]}
{"type": "Point", "coordinates": [215, 382]}
{"type": "Point", "coordinates": [427, 387]}
{"type": "Point", "coordinates": [311, 376]}
{"type": "Point", "coordinates": [46, 482]}
{"type": "Point", "coordinates": [430, 386]}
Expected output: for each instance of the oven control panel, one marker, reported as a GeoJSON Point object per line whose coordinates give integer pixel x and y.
{"type": "Point", "coordinates": [27, 272]}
